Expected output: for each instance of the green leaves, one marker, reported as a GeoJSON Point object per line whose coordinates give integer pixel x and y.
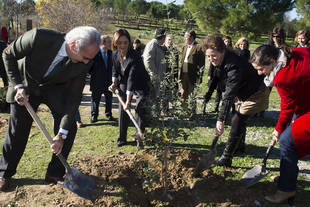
{"type": "Point", "coordinates": [238, 18]}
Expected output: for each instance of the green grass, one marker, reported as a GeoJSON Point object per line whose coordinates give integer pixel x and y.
{"type": "Point", "coordinates": [99, 140]}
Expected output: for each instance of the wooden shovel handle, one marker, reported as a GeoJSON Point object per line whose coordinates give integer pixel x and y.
{"type": "Point", "coordinates": [46, 134]}
{"type": "Point", "coordinates": [128, 111]}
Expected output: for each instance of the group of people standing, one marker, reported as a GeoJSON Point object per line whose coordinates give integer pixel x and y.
{"type": "Point", "coordinates": [57, 78]}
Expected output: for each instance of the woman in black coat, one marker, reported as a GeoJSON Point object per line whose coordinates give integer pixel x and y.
{"type": "Point", "coordinates": [243, 87]}
{"type": "Point", "coordinates": [130, 77]}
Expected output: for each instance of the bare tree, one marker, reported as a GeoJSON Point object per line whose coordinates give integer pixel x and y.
{"type": "Point", "coordinates": [63, 15]}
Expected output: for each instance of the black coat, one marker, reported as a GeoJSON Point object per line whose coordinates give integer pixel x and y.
{"type": "Point", "coordinates": [135, 76]}
{"type": "Point", "coordinates": [101, 77]}
{"type": "Point", "coordinates": [241, 81]}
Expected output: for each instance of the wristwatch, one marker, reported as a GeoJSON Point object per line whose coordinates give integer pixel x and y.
{"type": "Point", "coordinates": [62, 136]}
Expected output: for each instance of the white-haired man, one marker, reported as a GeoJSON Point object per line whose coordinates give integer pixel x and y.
{"type": "Point", "coordinates": [45, 66]}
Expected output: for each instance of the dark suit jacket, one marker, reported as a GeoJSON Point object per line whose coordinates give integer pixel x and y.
{"type": "Point", "coordinates": [135, 77]}
{"type": "Point", "coordinates": [196, 60]}
{"type": "Point", "coordinates": [28, 58]}
{"type": "Point", "coordinates": [101, 77]}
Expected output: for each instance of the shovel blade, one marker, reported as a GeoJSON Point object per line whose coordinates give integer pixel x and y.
{"type": "Point", "coordinates": [205, 162]}
{"type": "Point", "coordinates": [254, 175]}
{"type": "Point", "coordinates": [79, 183]}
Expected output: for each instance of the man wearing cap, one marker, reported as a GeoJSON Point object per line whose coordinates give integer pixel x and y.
{"type": "Point", "coordinates": [193, 59]}
{"type": "Point", "coordinates": [153, 58]}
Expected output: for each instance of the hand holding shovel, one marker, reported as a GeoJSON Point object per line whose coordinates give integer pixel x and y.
{"type": "Point", "coordinates": [75, 181]}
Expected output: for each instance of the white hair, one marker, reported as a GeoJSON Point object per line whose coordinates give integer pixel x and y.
{"type": "Point", "coordinates": [83, 36]}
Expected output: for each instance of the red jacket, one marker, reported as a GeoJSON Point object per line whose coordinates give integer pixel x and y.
{"type": "Point", "coordinates": [293, 84]}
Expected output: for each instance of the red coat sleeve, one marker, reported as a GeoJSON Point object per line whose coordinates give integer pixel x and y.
{"type": "Point", "coordinates": [288, 104]}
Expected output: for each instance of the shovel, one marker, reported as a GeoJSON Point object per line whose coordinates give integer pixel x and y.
{"type": "Point", "coordinates": [75, 181]}
{"type": "Point", "coordinates": [207, 159]}
{"type": "Point", "coordinates": [139, 136]}
{"type": "Point", "coordinates": [258, 172]}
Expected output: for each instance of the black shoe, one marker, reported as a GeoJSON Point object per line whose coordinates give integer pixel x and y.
{"type": "Point", "coordinates": [110, 118]}
{"type": "Point", "coordinates": [121, 143]}
{"type": "Point", "coordinates": [93, 119]}
{"type": "Point", "coordinates": [4, 183]}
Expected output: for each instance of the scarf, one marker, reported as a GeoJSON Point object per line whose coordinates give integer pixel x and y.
{"type": "Point", "coordinates": [281, 62]}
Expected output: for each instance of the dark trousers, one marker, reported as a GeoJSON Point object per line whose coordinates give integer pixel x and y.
{"type": "Point", "coordinates": [288, 162]}
{"type": "Point", "coordinates": [4, 77]}
{"type": "Point", "coordinates": [141, 113]}
{"type": "Point", "coordinates": [95, 101]}
{"type": "Point", "coordinates": [16, 138]}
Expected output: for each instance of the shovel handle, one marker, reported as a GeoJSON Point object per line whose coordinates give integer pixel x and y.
{"type": "Point", "coordinates": [128, 111]}
{"type": "Point", "coordinates": [45, 132]}
{"type": "Point", "coordinates": [273, 142]}
{"type": "Point", "coordinates": [216, 138]}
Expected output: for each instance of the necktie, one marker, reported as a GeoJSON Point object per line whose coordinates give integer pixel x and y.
{"type": "Point", "coordinates": [105, 58]}
{"type": "Point", "coordinates": [59, 67]}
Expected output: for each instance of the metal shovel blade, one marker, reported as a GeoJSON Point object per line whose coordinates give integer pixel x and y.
{"type": "Point", "coordinates": [254, 175]}
{"type": "Point", "coordinates": [205, 163]}
{"type": "Point", "coordinates": [79, 183]}
{"type": "Point", "coordinates": [207, 160]}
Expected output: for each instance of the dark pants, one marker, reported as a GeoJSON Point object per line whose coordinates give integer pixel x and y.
{"type": "Point", "coordinates": [95, 101]}
{"type": "Point", "coordinates": [3, 76]}
{"type": "Point", "coordinates": [141, 113]}
{"type": "Point", "coordinates": [288, 162]}
{"type": "Point", "coordinates": [16, 138]}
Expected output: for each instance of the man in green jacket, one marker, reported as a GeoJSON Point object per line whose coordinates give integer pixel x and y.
{"type": "Point", "coordinates": [45, 66]}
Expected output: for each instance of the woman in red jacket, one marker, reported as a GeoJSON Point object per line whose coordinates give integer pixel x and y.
{"type": "Point", "coordinates": [288, 69]}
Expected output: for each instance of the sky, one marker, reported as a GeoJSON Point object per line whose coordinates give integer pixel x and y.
{"type": "Point", "coordinates": [169, 1]}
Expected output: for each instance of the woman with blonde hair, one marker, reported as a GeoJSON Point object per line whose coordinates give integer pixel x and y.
{"type": "Point", "coordinates": [242, 48]}
{"type": "Point", "coordinates": [302, 38]}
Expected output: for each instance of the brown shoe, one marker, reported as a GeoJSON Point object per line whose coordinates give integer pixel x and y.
{"type": "Point", "coordinates": [79, 124]}
{"type": "Point", "coordinates": [4, 183]}
{"type": "Point", "coordinates": [281, 196]}
{"type": "Point", "coordinates": [54, 180]}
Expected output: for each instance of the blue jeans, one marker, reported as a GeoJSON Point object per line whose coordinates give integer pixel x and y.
{"type": "Point", "coordinates": [288, 162]}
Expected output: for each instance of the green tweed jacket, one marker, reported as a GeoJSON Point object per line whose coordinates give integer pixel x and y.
{"type": "Point", "coordinates": [26, 61]}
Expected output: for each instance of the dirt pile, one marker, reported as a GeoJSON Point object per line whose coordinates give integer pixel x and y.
{"type": "Point", "coordinates": [135, 180]}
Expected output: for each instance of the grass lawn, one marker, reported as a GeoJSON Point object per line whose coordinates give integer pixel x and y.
{"type": "Point", "coordinates": [96, 143]}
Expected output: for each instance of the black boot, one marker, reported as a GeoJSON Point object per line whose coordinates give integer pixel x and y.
{"type": "Point", "coordinates": [241, 146]}
{"type": "Point", "coordinates": [216, 108]}
{"type": "Point", "coordinates": [226, 158]}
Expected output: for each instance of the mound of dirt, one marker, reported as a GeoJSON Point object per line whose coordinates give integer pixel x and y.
{"type": "Point", "coordinates": [136, 180]}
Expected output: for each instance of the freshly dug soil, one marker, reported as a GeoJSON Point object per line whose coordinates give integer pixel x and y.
{"type": "Point", "coordinates": [136, 180]}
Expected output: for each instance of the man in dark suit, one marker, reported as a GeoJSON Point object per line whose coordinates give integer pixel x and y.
{"type": "Point", "coordinates": [193, 59]}
{"type": "Point", "coordinates": [101, 79]}
{"type": "Point", "coordinates": [39, 65]}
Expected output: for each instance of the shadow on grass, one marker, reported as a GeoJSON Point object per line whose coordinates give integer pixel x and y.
{"type": "Point", "coordinates": [24, 182]}
{"type": "Point", "coordinates": [224, 189]}
{"type": "Point", "coordinates": [100, 123]}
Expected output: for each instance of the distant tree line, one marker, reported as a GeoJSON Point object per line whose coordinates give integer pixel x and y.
{"type": "Point", "coordinates": [249, 18]}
